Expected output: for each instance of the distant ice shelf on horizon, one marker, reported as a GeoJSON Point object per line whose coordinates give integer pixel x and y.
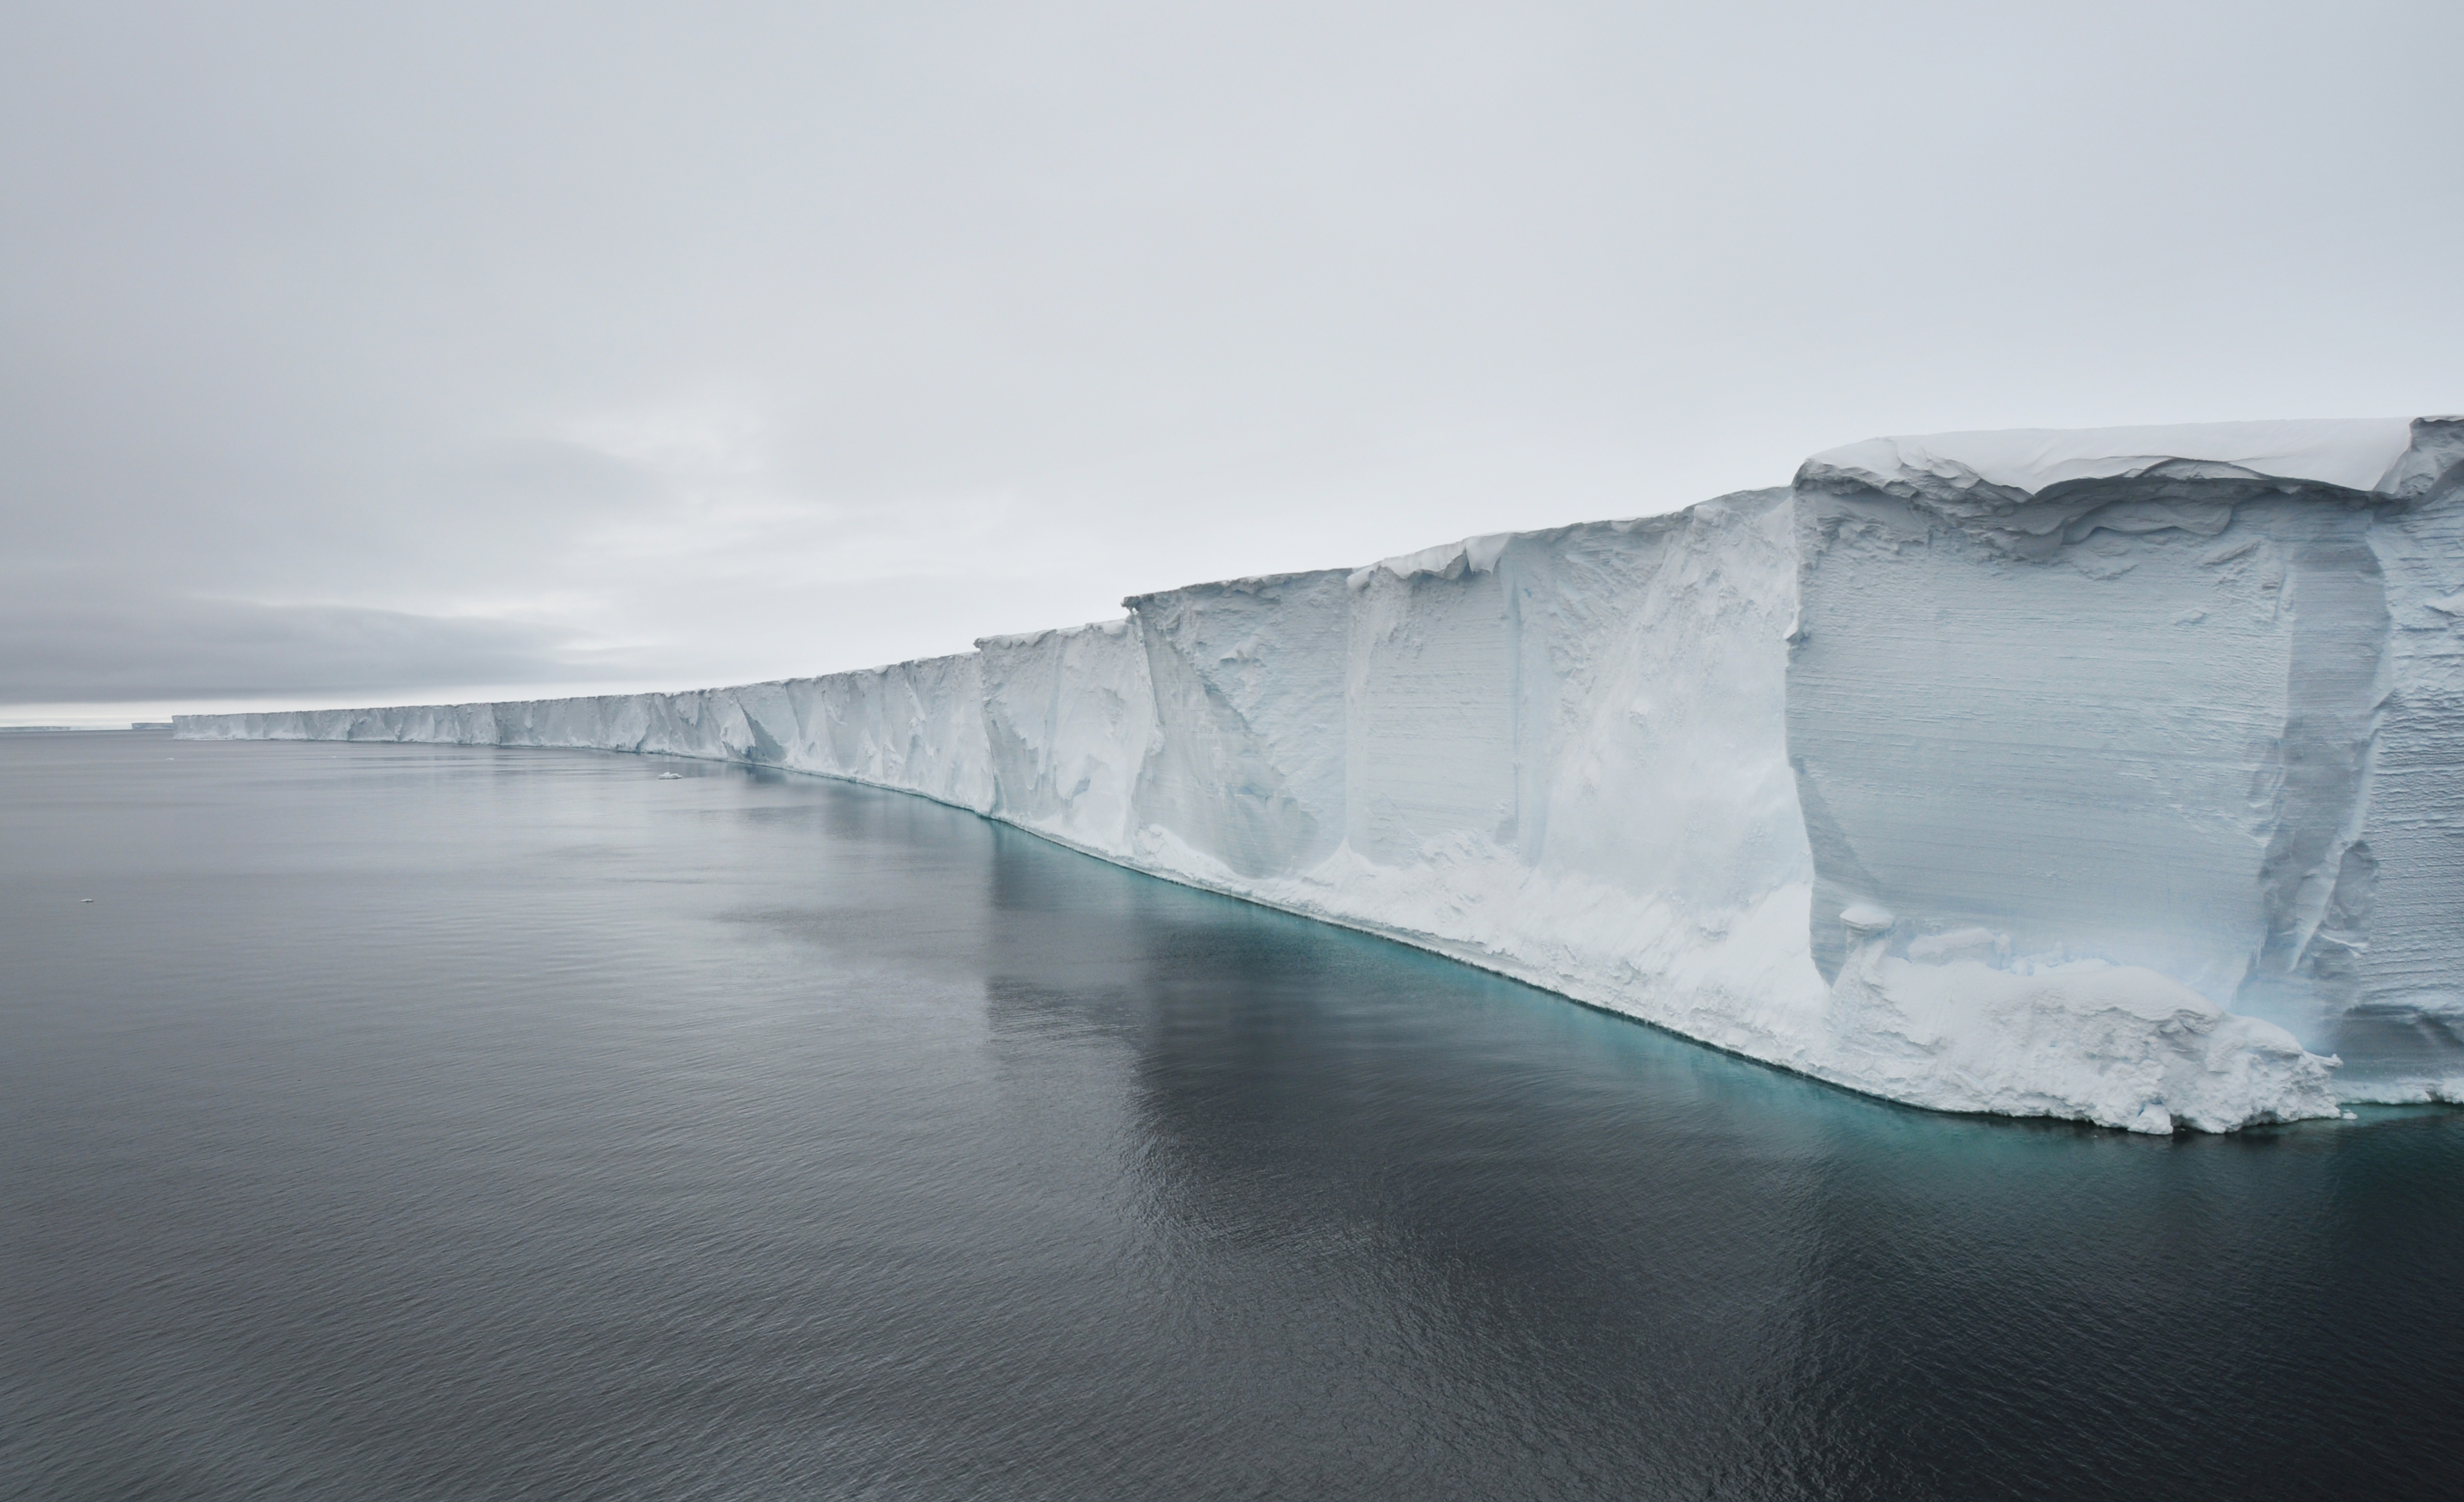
{"type": "Point", "coordinates": [2113, 775]}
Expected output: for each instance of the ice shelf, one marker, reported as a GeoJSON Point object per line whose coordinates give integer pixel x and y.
{"type": "Point", "coordinates": [2111, 775]}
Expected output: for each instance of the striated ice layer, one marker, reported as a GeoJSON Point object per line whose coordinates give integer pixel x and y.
{"type": "Point", "coordinates": [2174, 703]}
{"type": "Point", "coordinates": [2112, 776]}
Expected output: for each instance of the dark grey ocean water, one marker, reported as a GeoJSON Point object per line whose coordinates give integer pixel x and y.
{"type": "Point", "coordinates": [444, 1123]}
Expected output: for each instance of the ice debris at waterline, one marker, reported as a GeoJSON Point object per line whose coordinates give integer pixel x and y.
{"type": "Point", "coordinates": [2109, 775]}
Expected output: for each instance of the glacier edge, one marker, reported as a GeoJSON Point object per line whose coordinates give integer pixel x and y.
{"type": "Point", "coordinates": [2100, 776]}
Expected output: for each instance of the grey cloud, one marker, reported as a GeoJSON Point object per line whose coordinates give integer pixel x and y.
{"type": "Point", "coordinates": [105, 648]}
{"type": "Point", "coordinates": [780, 333]}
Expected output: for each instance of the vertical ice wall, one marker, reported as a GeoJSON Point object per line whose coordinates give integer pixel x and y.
{"type": "Point", "coordinates": [2040, 773]}
{"type": "Point", "coordinates": [2139, 703]}
{"type": "Point", "coordinates": [1246, 777]}
{"type": "Point", "coordinates": [2387, 949]}
{"type": "Point", "coordinates": [1070, 716]}
{"type": "Point", "coordinates": [914, 726]}
{"type": "Point", "coordinates": [1564, 762]}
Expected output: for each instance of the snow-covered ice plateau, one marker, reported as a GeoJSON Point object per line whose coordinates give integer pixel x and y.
{"type": "Point", "coordinates": [2112, 775]}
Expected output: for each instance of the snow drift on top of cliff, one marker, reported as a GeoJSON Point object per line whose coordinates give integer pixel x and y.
{"type": "Point", "coordinates": [2396, 458]}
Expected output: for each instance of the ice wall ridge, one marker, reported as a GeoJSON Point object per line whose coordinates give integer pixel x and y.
{"type": "Point", "coordinates": [2115, 775]}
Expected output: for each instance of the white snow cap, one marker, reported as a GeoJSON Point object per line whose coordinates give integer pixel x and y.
{"type": "Point", "coordinates": [1475, 555]}
{"type": "Point", "coordinates": [2394, 457]}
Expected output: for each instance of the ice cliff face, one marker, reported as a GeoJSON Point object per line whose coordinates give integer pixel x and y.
{"type": "Point", "coordinates": [2116, 776]}
{"type": "Point", "coordinates": [2175, 701]}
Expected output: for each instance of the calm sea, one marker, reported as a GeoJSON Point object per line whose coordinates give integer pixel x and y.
{"type": "Point", "coordinates": [463, 1123]}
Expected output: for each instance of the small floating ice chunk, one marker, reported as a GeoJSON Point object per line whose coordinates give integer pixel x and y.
{"type": "Point", "coordinates": [1865, 918]}
{"type": "Point", "coordinates": [671, 776]}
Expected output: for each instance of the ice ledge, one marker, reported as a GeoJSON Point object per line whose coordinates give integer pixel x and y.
{"type": "Point", "coordinates": [2115, 1045]}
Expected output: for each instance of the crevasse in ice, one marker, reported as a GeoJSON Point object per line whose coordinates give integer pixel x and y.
{"type": "Point", "coordinates": [2111, 775]}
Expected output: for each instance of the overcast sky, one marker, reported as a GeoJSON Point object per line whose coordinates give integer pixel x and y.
{"type": "Point", "coordinates": [360, 354]}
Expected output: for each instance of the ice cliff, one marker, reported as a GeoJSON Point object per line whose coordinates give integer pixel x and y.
{"type": "Point", "coordinates": [2109, 775]}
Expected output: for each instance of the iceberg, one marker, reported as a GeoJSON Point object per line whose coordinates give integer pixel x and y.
{"type": "Point", "coordinates": [2113, 775]}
